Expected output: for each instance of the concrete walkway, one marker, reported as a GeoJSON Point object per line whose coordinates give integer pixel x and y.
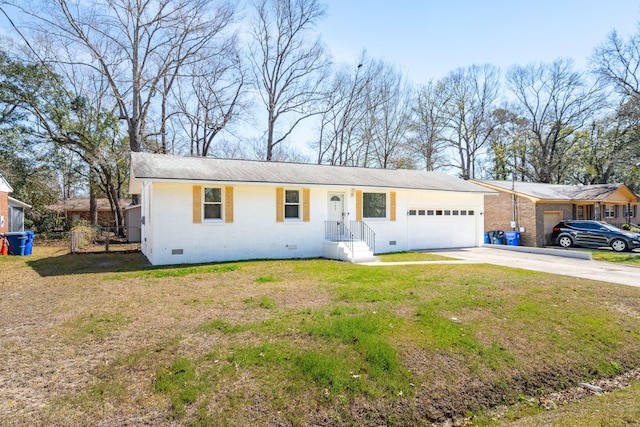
{"type": "Point", "coordinates": [555, 261]}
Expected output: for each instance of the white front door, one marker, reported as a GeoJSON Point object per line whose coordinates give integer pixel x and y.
{"type": "Point", "coordinates": [336, 207]}
{"type": "Point", "coordinates": [337, 217]}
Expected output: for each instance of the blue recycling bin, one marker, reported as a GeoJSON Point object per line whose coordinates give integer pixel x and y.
{"type": "Point", "coordinates": [513, 238]}
{"type": "Point", "coordinates": [497, 237]}
{"type": "Point", "coordinates": [28, 246]}
{"type": "Point", "coordinates": [17, 242]}
{"type": "Point", "coordinates": [487, 238]}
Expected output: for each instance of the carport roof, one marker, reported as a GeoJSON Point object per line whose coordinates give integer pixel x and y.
{"type": "Point", "coordinates": [18, 203]}
{"type": "Point", "coordinates": [558, 192]}
{"type": "Point", "coordinates": [163, 167]}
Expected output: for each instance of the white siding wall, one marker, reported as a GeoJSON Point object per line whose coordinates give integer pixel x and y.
{"type": "Point", "coordinates": [255, 234]}
{"type": "Point", "coordinates": [433, 232]}
{"type": "Point", "coordinates": [146, 225]}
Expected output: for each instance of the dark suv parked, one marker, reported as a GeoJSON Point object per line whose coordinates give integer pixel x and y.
{"type": "Point", "coordinates": [594, 234]}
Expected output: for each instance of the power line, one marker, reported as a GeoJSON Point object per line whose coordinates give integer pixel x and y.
{"type": "Point", "coordinates": [22, 36]}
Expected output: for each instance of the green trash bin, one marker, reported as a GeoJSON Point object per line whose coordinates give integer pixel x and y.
{"type": "Point", "coordinates": [17, 242]}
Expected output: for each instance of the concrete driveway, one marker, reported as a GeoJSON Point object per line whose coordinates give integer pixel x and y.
{"type": "Point", "coordinates": [550, 261]}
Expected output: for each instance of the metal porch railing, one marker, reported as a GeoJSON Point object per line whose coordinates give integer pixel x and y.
{"type": "Point", "coordinates": [339, 231]}
{"type": "Point", "coordinates": [361, 231]}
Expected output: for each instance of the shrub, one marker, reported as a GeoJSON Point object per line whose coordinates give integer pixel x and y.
{"type": "Point", "coordinates": [83, 234]}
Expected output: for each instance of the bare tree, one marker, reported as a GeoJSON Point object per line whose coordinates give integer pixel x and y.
{"type": "Point", "coordinates": [471, 93]}
{"type": "Point", "coordinates": [210, 97]}
{"type": "Point", "coordinates": [618, 62]}
{"type": "Point", "coordinates": [342, 113]}
{"type": "Point", "coordinates": [555, 101]}
{"type": "Point", "coordinates": [346, 108]}
{"type": "Point", "coordinates": [608, 147]}
{"type": "Point", "coordinates": [387, 120]}
{"type": "Point", "coordinates": [428, 124]}
{"type": "Point", "coordinates": [138, 46]}
{"type": "Point", "coordinates": [288, 67]}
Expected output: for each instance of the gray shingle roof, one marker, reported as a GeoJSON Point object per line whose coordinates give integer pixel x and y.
{"type": "Point", "coordinates": [557, 191]}
{"type": "Point", "coordinates": [145, 166]}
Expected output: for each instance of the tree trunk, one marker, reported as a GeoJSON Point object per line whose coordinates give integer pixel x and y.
{"type": "Point", "coordinates": [93, 201]}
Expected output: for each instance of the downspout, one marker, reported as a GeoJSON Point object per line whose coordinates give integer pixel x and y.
{"type": "Point", "coordinates": [514, 224]}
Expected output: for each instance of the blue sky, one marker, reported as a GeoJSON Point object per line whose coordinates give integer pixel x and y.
{"type": "Point", "coordinates": [427, 39]}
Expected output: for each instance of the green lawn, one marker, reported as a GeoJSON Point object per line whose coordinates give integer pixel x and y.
{"type": "Point", "coordinates": [630, 258]}
{"type": "Point", "coordinates": [412, 256]}
{"type": "Point", "coordinates": [106, 339]}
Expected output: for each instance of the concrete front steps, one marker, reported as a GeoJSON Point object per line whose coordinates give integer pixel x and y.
{"type": "Point", "coordinates": [340, 251]}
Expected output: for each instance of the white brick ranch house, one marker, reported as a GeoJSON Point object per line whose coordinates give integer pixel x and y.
{"type": "Point", "coordinates": [196, 209]}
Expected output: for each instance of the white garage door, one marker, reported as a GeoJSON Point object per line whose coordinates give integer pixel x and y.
{"type": "Point", "coordinates": [430, 228]}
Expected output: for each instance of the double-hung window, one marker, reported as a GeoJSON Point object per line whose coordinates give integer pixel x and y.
{"type": "Point", "coordinates": [292, 204]}
{"type": "Point", "coordinates": [374, 205]}
{"type": "Point", "coordinates": [609, 211]}
{"type": "Point", "coordinates": [212, 203]}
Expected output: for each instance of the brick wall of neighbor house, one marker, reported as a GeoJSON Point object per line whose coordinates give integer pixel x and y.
{"type": "Point", "coordinates": [4, 211]}
{"type": "Point", "coordinates": [105, 219]}
{"type": "Point", "coordinates": [635, 210]}
{"type": "Point", "coordinates": [498, 215]}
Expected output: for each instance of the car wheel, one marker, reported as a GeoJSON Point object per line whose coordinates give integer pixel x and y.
{"type": "Point", "coordinates": [565, 241]}
{"type": "Point", "coordinates": [619, 245]}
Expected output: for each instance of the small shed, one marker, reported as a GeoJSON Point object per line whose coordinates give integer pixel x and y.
{"type": "Point", "coordinates": [132, 219]}
{"type": "Point", "coordinates": [16, 214]}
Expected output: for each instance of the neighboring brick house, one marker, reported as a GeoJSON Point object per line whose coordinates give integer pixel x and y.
{"type": "Point", "coordinates": [534, 208]}
{"type": "Point", "coordinates": [76, 209]}
{"type": "Point", "coordinates": [11, 210]}
{"type": "Point", "coordinates": [5, 189]}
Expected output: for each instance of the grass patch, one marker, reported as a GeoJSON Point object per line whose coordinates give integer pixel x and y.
{"type": "Point", "coordinates": [454, 335]}
{"type": "Point", "coordinates": [261, 302]}
{"type": "Point", "coordinates": [326, 370]}
{"type": "Point", "coordinates": [219, 325]}
{"type": "Point", "coordinates": [180, 383]}
{"type": "Point", "coordinates": [368, 335]}
{"type": "Point", "coordinates": [630, 258]}
{"type": "Point", "coordinates": [412, 256]}
{"type": "Point", "coordinates": [267, 279]}
{"type": "Point", "coordinates": [197, 301]}
{"type": "Point", "coordinates": [97, 325]}
{"type": "Point", "coordinates": [159, 273]}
